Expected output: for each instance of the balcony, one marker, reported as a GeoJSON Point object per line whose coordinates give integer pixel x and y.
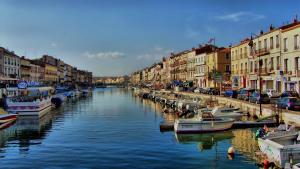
{"type": "Point", "coordinates": [286, 72]}
{"type": "Point", "coordinates": [263, 51]}
{"type": "Point", "coordinates": [263, 71]}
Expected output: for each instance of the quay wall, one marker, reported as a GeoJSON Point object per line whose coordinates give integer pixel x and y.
{"type": "Point", "coordinates": [290, 117]}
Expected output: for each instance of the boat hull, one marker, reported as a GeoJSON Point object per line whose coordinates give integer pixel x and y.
{"type": "Point", "coordinates": [182, 127]}
{"type": "Point", "coordinates": [278, 153]}
{"type": "Point", "coordinates": [30, 108]}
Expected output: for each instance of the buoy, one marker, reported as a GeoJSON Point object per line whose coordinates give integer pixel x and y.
{"type": "Point", "coordinates": [266, 163]}
{"type": "Point", "coordinates": [230, 156]}
{"type": "Point", "coordinates": [231, 150]}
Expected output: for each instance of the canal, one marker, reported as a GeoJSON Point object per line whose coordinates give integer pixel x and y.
{"type": "Point", "coordinates": [114, 129]}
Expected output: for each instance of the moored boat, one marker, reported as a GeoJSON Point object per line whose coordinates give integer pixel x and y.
{"type": "Point", "coordinates": [205, 122]}
{"type": "Point", "coordinates": [281, 146]}
{"type": "Point", "coordinates": [30, 101]}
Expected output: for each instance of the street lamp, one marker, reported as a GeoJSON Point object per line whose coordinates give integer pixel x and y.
{"type": "Point", "coordinates": [259, 67]}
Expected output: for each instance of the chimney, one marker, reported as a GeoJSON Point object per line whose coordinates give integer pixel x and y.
{"type": "Point", "coordinates": [296, 19]}
{"type": "Point", "coordinates": [193, 49]}
{"type": "Point", "coordinates": [271, 27]}
{"type": "Point", "coordinates": [261, 32]}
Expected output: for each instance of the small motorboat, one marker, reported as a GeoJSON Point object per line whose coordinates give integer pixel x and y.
{"type": "Point", "coordinates": [7, 117]}
{"type": "Point", "coordinates": [227, 112]}
{"type": "Point", "coordinates": [204, 122]}
{"type": "Point", "coordinates": [281, 146]}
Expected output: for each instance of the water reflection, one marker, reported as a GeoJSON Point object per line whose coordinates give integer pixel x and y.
{"type": "Point", "coordinates": [244, 141]}
{"type": "Point", "coordinates": [205, 141]}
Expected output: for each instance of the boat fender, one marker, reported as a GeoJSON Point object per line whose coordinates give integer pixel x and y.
{"type": "Point", "coordinates": [266, 163]}
{"type": "Point", "coordinates": [231, 150]}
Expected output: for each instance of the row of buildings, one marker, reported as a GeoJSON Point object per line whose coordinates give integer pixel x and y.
{"type": "Point", "coordinates": [47, 69]}
{"type": "Point", "coordinates": [268, 60]}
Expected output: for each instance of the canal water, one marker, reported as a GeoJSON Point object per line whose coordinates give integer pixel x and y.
{"type": "Point", "coordinates": [114, 129]}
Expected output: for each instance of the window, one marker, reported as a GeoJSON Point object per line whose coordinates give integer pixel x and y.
{"type": "Point", "coordinates": [296, 42]}
{"type": "Point", "coordinates": [265, 44]}
{"type": "Point", "coordinates": [259, 45]}
{"type": "Point", "coordinates": [271, 42]}
{"type": "Point", "coordinates": [246, 68]}
{"type": "Point", "coordinates": [278, 62]}
{"type": "Point", "coordinates": [285, 43]}
{"type": "Point", "coordinates": [227, 56]}
{"type": "Point", "coordinates": [245, 52]}
{"type": "Point", "coordinates": [241, 68]}
{"type": "Point", "coordinates": [241, 53]}
{"type": "Point", "coordinates": [272, 63]}
{"type": "Point", "coordinates": [277, 41]}
{"type": "Point", "coordinates": [227, 68]}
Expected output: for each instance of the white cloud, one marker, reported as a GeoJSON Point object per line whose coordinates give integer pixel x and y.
{"type": "Point", "coordinates": [148, 56]}
{"type": "Point", "coordinates": [238, 16]}
{"type": "Point", "coordinates": [156, 55]}
{"type": "Point", "coordinates": [53, 44]}
{"type": "Point", "coordinates": [104, 55]}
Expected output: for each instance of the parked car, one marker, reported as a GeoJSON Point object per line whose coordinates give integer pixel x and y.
{"type": "Point", "coordinates": [289, 94]}
{"type": "Point", "coordinates": [231, 93]}
{"type": "Point", "coordinates": [204, 90]}
{"type": "Point", "coordinates": [213, 91]}
{"type": "Point", "coordinates": [256, 97]}
{"type": "Point", "coordinates": [290, 103]}
{"type": "Point", "coordinates": [245, 94]}
{"type": "Point", "coordinates": [197, 90]}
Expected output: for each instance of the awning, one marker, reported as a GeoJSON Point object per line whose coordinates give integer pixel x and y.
{"type": "Point", "coordinates": [8, 78]}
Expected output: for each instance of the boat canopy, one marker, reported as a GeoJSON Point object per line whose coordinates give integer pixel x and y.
{"type": "Point", "coordinates": [41, 89]}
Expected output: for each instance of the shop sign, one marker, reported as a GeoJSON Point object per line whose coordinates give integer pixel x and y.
{"type": "Point", "coordinates": [22, 85]}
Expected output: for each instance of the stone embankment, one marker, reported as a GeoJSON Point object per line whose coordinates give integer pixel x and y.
{"type": "Point", "coordinates": [291, 117]}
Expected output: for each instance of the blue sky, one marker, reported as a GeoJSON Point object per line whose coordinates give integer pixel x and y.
{"type": "Point", "coordinates": [116, 37]}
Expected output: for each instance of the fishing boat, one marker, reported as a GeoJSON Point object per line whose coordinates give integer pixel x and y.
{"type": "Point", "coordinates": [205, 122]}
{"type": "Point", "coordinates": [281, 147]}
{"type": "Point", "coordinates": [29, 101]}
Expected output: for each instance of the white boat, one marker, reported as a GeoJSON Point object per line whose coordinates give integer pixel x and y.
{"type": "Point", "coordinates": [227, 112]}
{"type": "Point", "coordinates": [205, 122]}
{"type": "Point", "coordinates": [30, 101]}
{"type": "Point", "coordinates": [224, 112]}
{"type": "Point", "coordinates": [281, 148]}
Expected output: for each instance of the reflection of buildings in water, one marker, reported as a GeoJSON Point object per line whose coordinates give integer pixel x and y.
{"type": "Point", "coordinates": [28, 130]}
{"type": "Point", "coordinates": [206, 140]}
{"type": "Point", "coordinates": [244, 141]}
{"type": "Point", "coordinates": [169, 117]}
